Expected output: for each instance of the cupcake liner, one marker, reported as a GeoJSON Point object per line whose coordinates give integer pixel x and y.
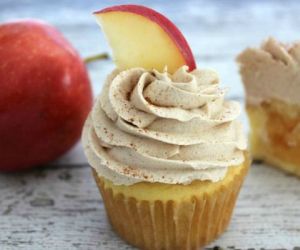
{"type": "Point", "coordinates": [172, 224]}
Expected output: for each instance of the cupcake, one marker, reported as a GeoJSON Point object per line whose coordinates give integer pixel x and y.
{"type": "Point", "coordinates": [168, 155]}
{"type": "Point", "coordinates": [272, 84]}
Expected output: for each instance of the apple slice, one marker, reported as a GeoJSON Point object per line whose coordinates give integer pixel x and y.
{"type": "Point", "coordinates": [142, 37]}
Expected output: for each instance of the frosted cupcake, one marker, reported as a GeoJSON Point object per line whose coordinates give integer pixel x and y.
{"type": "Point", "coordinates": [167, 152]}
{"type": "Point", "coordinates": [272, 84]}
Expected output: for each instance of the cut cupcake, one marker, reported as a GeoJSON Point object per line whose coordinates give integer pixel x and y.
{"type": "Point", "coordinates": [271, 77]}
{"type": "Point", "coordinates": [167, 152]}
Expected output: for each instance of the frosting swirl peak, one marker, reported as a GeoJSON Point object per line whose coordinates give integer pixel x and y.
{"type": "Point", "coordinates": [156, 127]}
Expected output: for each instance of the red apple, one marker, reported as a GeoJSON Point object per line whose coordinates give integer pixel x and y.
{"type": "Point", "coordinates": [45, 94]}
{"type": "Point", "coordinates": [142, 37]}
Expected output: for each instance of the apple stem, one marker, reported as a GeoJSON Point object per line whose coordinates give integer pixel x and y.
{"type": "Point", "coordinates": [96, 57]}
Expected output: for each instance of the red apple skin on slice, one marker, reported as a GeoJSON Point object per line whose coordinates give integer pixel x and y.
{"type": "Point", "coordinates": [45, 94]}
{"type": "Point", "coordinates": [142, 37]}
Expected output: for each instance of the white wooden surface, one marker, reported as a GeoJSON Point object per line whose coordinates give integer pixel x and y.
{"type": "Point", "coordinates": [59, 207]}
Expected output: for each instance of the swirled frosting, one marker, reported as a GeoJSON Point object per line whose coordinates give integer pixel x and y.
{"type": "Point", "coordinates": [156, 127]}
{"type": "Point", "coordinates": [271, 72]}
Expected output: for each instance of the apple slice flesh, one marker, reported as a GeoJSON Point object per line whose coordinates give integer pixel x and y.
{"type": "Point", "coordinates": [142, 37]}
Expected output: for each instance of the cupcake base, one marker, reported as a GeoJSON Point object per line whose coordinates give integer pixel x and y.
{"type": "Point", "coordinates": [162, 216]}
{"type": "Point", "coordinates": [275, 135]}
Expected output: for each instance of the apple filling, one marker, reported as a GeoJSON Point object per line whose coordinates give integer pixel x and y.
{"type": "Point", "coordinates": [275, 135]}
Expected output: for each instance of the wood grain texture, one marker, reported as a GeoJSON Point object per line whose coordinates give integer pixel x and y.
{"type": "Point", "coordinates": [59, 206]}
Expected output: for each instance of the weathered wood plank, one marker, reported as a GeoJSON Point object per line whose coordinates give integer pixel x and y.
{"type": "Point", "coordinates": [61, 207]}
